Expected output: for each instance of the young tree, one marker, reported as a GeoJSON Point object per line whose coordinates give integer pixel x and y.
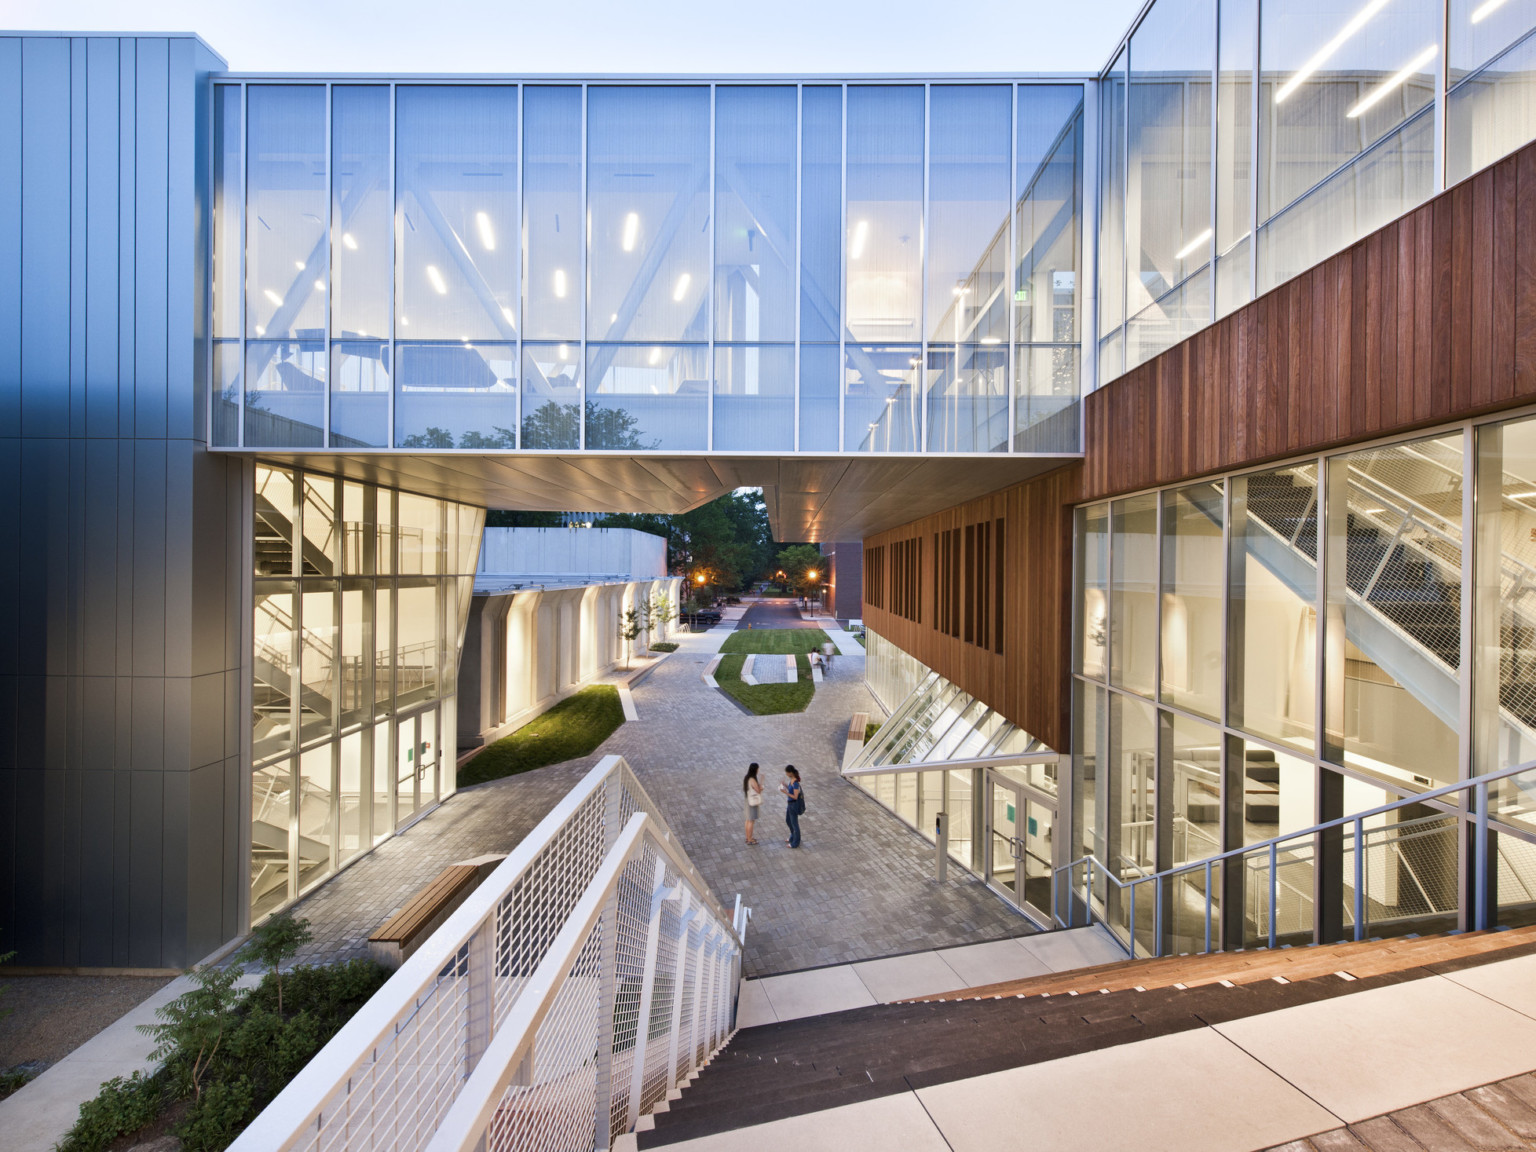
{"type": "Point", "coordinates": [629, 628]}
{"type": "Point", "coordinates": [797, 562]}
{"type": "Point", "coordinates": [194, 1023]}
{"type": "Point", "coordinates": [275, 942]}
{"type": "Point", "coordinates": [663, 609]}
{"type": "Point", "coordinates": [648, 620]}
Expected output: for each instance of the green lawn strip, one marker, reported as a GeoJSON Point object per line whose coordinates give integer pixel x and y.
{"type": "Point", "coordinates": [777, 641]}
{"type": "Point", "coordinates": [574, 727]}
{"type": "Point", "coordinates": [766, 699]}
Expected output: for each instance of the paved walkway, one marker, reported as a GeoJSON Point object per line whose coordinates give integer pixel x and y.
{"type": "Point", "coordinates": [1431, 1065]}
{"type": "Point", "coordinates": [773, 614]}
{"type": "Point", "coordinates": [861, 886]}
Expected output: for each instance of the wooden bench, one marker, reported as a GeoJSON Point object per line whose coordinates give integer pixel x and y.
{"type": "Point", "coordinates": [855, 743]}
{"type": "Point", "coordinates": [392, 943]}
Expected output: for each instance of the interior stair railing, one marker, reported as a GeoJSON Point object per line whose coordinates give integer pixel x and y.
{"type": "Point", "coordinates": [1390, 870]}
{"type": "Point", "coordinates": [586, 977]}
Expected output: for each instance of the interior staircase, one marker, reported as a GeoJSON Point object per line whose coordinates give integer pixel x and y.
{"type": "Point", "coordinates": [801, 1066]}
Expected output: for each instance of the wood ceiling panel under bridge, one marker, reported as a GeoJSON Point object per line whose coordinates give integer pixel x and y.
{"type": "Point", "coordinates": [817, 498]}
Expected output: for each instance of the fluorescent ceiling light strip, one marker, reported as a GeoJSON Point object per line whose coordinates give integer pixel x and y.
{"type": "Point", "coordinates": [682, 286]}
{"type": "Point", "coordinates": [1194, 245]}
{"type": "Point", "coordinates": [437, 280]}
{"type": "Point", "coordinates": [349, 241]}
{"type": "Point", "coordinates": [560, 282]}
{"type": "Point", "coordinates": [1394, 82]}
{"type": "Point", "coordinates": [1483, 11]}
{"type": "Point", "coordinates": [631, 231]}
{"type": "Point", "coordinates": [487, 234]}
{"type": "Point", "coordinates": [860, 235]}
{"type": "Point", "coordinates": [272, 296]}
{"type": "Point", "coordinates": [1356, 22]}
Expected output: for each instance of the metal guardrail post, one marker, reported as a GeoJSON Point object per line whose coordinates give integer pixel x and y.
{"type": "Point", "coordinates": [1207, 905]}
{"type": "Point", "coordinates": [1158, 887]}
{"type": "Point", "coordinates": [1482, 885]}
{"type": "Point", "coordinates": [482, 991]}
{"type": "Point", "coordinates": [1134, 886]}
{"type": "Point", "coordinates": [1359, 880]}
{"type": "Point", "coordinates": [1274, 891]}
{"type": "Point", "coordinates": [659, 896]}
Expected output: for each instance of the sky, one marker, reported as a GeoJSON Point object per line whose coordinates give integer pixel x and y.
{"type": "Point", "coordinates": [596, 37]}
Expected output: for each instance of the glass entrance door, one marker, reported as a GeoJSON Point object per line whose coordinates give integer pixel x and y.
{"type": "Point", "coordinates": [1020, 822]}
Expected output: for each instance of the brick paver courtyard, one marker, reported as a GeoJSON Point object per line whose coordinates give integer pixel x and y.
{"type": "Point", "coordinates": [861, 886]}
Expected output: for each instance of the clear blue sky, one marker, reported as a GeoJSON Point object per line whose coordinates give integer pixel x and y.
{"type": "Point", "coordinates": [604, 36]}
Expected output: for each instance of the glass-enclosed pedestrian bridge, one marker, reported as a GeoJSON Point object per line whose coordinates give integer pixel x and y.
{"type": "Point", "coordinates": [864, 296]}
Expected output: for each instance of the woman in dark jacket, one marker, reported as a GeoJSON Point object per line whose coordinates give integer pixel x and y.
{"type": "Point", "coordinates": [794, 796]}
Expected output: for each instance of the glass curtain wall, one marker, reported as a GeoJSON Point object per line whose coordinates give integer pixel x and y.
{"type": "Point", "coordinates": [818, 267]}
{"type": "Point", "coordinates": [360, 599]}
{"type": "Point", "coordinates": [1265, 651]}
{"type": "Point", "coordinates": [1244, 141]}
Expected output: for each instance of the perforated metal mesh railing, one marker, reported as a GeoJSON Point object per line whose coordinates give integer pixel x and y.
{"type": "Point", "coordinates": [560, 983]}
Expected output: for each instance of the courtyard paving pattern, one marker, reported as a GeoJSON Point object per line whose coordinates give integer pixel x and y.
{"type": "Point", "coordinates": [860, 887]}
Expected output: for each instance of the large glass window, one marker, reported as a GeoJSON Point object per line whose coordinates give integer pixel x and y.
{"type": "Point", "coordinates": [361, 214]}
{"type": "Point", "coordinates": [1133, 593]}
{"type": "Point", "coordinates": [755, 397]}
{"type": "Point", "coordinates": [1234, 153]}
{"type": "Point", "coordinates": [755, 213]}
{"type": "Point", "coordinates": [648, 213]}
{"type": "Point", "coordinates": [225, 298]}
{"type": "Point", "coordinates": [456, 174]}
{"type": "Point", "coordinates": [1112, 250]}
{"type": "Point", "coordinates": [885, 213]}
{"type": "Point", "coordinates": [821, 213]}
{"type": "Point", "coordinates": [286, 266]}
{"type": "Point", "coordinates": [1393, 645]}
{"type": "Point", "coordinates": [882, 390]}
{"type": "Point", "coordinates": [552, 213]}
{"type": "Point", "coordinates": [1493, 112]}
{"type": "Point", "coordinates": [457, 395]}
{"type": "Point", "coordinates": [1192, 641]}
{"type": "Point", "coordinates": [551, 396]}
{"type": "Point", "coordinates": [648, 396]}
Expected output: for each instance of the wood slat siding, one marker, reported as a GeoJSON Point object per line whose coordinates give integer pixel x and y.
{"type": "Point", "coordinates": [1028, 682]}
{"type": "Point", "coordinates": [1432, 318]}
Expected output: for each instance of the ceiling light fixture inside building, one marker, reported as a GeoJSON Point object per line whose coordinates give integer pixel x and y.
{"type": "Point", "coordinates": [564, 351]}
{"type": "Point", "coordinates": [1356, 22]}
{"type": "Point", "coordinates": [682, 286]}
{"type": "Point", "coordinates": [272, 296]}
{"type": "Point", "coordinates": [437, 280]}
{"type": "Point", "coordinates": [655, 355]}
{"type": "Point", "coordinates": [631, 231]}
{"type": "Point", "coordinates": [487, 233]}
{"type": "Point", "coordinates": [349, 241]}
{"type": "Point", "coordinates": [299, 264]}
{"type": "Point", "coordinates": [319, 285]}
{"type": "Point", "coordinates": [560, 282]}
{"type": "Point", "coordinates": [1392, 83]}
{"type": "Point", "coordinates": [507, 312]}
{"type": "Point", "coordinates": [1486, 10]}
{"type": "Point", "coordinates": [1194, 245]}
{"type": "Point", "coordinates": [860, 235]}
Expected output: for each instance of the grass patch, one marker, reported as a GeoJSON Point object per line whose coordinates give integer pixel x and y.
{"type": "Point", "coordinates": [777, 641]}
{"type": "Point", "coordinates": [859, 636]}
{"type": "Point", "coordinates": [664, 646]}
{"type": "Point", "coordinates": [574, 727]}
{"type": "Point", "coordinates": [766, 699]}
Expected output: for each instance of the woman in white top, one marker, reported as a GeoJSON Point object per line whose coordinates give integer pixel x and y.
{"type": "Point", "coordinates": [752, 795]}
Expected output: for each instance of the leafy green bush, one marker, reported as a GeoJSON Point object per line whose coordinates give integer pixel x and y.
{"type": "Point", "coordinates": [574, 727]}
{"type": "Point", "coordinates": [664, 646]}
{"type": "Point", "coordinates": [222, 1087]}
{"type": "Point", "coordinates": [869, 731]}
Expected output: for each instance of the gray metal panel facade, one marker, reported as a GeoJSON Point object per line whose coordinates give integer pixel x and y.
{"type": "Point", "coordinates": [121, 548]}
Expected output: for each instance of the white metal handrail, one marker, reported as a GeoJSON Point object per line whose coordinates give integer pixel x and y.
{"type": "Point", "coordinates": [390, 1076]}
{"type": "Point", "coordinates": [1478, 787]}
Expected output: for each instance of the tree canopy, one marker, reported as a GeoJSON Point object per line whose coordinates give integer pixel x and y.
{"type": "Point", "coordinates": [797, 562]}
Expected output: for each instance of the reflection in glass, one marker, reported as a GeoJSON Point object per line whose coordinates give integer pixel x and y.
{"type": "Point", "coordinates": [1493, 113]}
{"type": "Point", "coordinates": [1049, 229]}
{"type": "Point", "coordinates": [1133, 608]}
{"type": "Point", "coordinates": [1480, 30]}
{"type": "Point", "coordinates": [1335, 84]}
{"type": "Point", "coordinates": [421, 538]}
{"type": "Point", "coordinates": [648, 396]}
{"type": "Point", "coordinates": [456, 173]}
{"type": "Point", "coordinates": [456, 396]}
{"type": "Point", "coordinates": [318, 660]}
{"type": "Point", "coordinates": [315, 815]}
{"type": "Point", "coordinates": [1504, 668]}
{"type": "Point", "coordinates": [1394, 610]}
{"type": "Point", "coordinates": [1191, 782]}
{"type": "Point", "coordinates": [1272, 627]}
{"type": "Point", "coordinates": [968, 192]}
{"type": "Point", "coordinates": [882, 389]}
{"type": "Point", "coordinates": [755, 213]}
{"type": "Point", "coordinates": [285, 394]}
{"type": "Point", "coordinates": [819, 389]}
{"type": "Point", "coordinates": [1130, 810]}
{"type": "Point", "coordinates": [755, 398]}
{"type": "Point", "coordinates": [1279, 796]}
{"type": "Point", "coordinates": [1112, 219]}
{"type": "Point", "coordinates": [351, 799]}
{"type": "Point", "coordinates": [648, 211]}
{"type": "Point", "coordinates": [383, 781]}
{"type": "Point", "coordinates": [359, 394]}
{"type": "Point", "coordinates": [967, 398]}
{"type": "Point", "coordinates": [1234, 153]}
{"type": "Point", "coordinates": [271, 808]}
{"type": "Point", "coordinates": [362, 240]}
{"type": "Point", "coordinates": [227, 383]}
{"type": "Point", "coordinates": [286, 269]}
{"type": "Point", "coordinates": [356, 653]}
{"type": "Point", "coordinates": [1179, 314]}
{"type": "Point", "coordinates": [416, 644]}
{"type": "Point", "coordinates": [320, 541]}
{"type": "Point", "coordinates": [821, 208]}
{"type": "Point", "coordinates": [553, 294]}
{"type": "Point", "coordinates": [1169, 228]}
{"type": "Point", "coordinates": [1093, 606]}
{"type": "Point", "coordinates": [885, 214]}
{"type": "Point", "coordinates": [272, 670]}
{"type": "Point", "coordinates": [551, 396]}
{"type": "Point", "coordinates": [1046, 409]}
{"type": "Point", "coordinates": [228, 191]}
{"type": "Point", "coordinates": [962, 788]}
{"type": "Point", "coordinates": [1192, 598]}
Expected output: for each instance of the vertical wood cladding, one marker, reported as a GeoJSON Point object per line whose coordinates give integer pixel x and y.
{"type": "Point", "coordinates": [1429, 319]}
{"type": "Point", "coordinates": [998, 619]}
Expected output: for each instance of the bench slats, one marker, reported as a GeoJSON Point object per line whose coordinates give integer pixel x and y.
{"type": "Point", "coordinates": [857, 725]}
{"type": "Point", "coordinates": [405, 924]}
